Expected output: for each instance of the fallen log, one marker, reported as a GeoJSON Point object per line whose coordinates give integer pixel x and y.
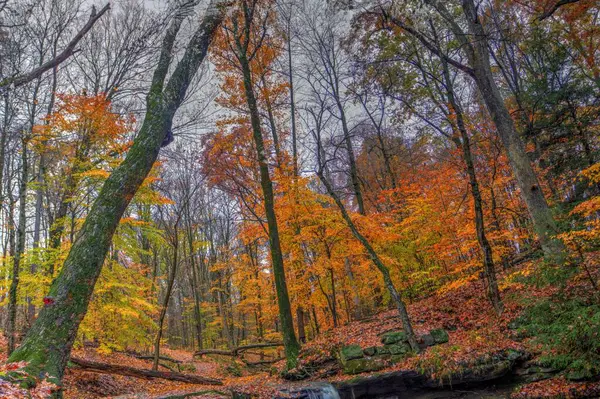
{"type": "Point", "coordinates": [223, 352]}
{"type": "Point", "coordinates": [236, 351]}
{"type": "Point", "coordinates": [106, 368]}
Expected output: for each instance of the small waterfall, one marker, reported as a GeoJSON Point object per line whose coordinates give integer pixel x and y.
{"type": "Point", "coordinates": [313, 390]}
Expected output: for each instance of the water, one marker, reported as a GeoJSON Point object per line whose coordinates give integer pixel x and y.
{"type": "Point", "coordinates": [324, 390]}
{"type": "Point", "coordinates": [315, 390]}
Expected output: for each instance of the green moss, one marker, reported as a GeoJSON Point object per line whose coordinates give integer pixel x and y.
{"type": "Point", "coordinates": [440, 336]}
{"type": "Point", "coordinates": [394, 337]}
{"type": "Point", "coordinates": [370, 351]}
{"type": "Point", "coordinates": [399, 349]}
{"type": "Point", "coordinates": [364, 365]}
{"type": "Point", "coordinates": [350, 352]}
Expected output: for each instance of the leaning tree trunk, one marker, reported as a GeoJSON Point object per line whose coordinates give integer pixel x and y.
{"type": "Point", "coordinates": [531, 191]}
{"type": "Point", "coordinates": [383, 269]}
{"type": "Point", "coordinates": [48, 343]}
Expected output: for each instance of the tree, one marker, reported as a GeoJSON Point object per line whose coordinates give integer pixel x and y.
{"type": "Point", "coordinates": [48, 343]}
{"type": "Point", "coordinates": [479, 68]}
{"type": "Point", "coordinates": [23, 78]}
{"type": "Point", "coordinates": [374, 257]}
{"type": "Point", "coordinates": [327, 74]}
{"type": "Point", "coordinates": [245, 35]}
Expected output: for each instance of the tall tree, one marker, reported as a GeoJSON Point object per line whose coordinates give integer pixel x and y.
{"type": "Point", "coordinates": [48, 343]}
{"type": "Point", "coordinates": [245, 35]}
{"type": "Point", "coordinates": [479, 68]}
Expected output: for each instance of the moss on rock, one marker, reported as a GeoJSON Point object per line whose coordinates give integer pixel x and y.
{"type": "Point", "coordinates": [440, 336]}
{"type": "Point", "coordinates": [394, 337]}
{"type": "Point", "coordinates": [350, 352]}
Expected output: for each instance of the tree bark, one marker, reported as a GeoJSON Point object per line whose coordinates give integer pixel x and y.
{"type": "Point", "coordinates": [163, 311]}
{"type": "Point", "coordinates": [531, 191]}
{"type": "Point", "coordinates": [20, 250]}
{"type": "Point", "coordinates": [48, 343]}
{"type": "Point", "coordinates": [387, 279]}
{"type": "Point", "coordinates": [106, 368]}
{"type": "Point", "coordinates": [291, 345]}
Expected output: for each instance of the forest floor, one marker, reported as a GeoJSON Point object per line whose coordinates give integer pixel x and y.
{"type": "Point", "coordinates": [474, 329]}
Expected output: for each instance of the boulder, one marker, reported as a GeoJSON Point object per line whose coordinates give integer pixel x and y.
{"type": "Point", "coordinates": [370, 351]}
{"type": "Point", "coordinates": [440, 336]}
{"type": "Point", "coordinates": [399, 349]}
{"type": "Point", "coordinates": [350, 352]}
{"type": "Point", "coordinates": [357, 366]}
{"type": "Point", "coordinates": [407, 383]}
{"type": "Point", "coordinates": [377, 351]}
{"type": "Point", "coordinates": [393, 337]}
{"type": "Point", "coordinates": [426, 340]}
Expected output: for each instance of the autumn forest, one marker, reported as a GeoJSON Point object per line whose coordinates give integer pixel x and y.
{"type": "Point", "coordinates": [300, 199]}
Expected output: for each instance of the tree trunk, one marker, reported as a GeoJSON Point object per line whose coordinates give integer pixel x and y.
{"type": "Point", "coordinates": [285, 313]}
{"type": "Point", "coordinates": [106, 368]}
{"type": "Point", "coordinates": [292, 103]}
{"type": "Point", "coordinates": [14, 285]}
{"type": "Point", "coordinates": [464, 144]}
{"type": "Point", "coordinates": [291, 345]}
{"type": "Point", "coordinates": [163, 311]}
{"type": "Point", "coordinates": [195, 288]}
{"type": "Point", "coordinates": [387, 279]}
{"type": "Point", "coordinates": [48, 343]}
{"type": "Point", "coordinates": [351, 158]}
{"type": "Point", "coordinates": [531, 191]}
{"type": "Point", "coordinates": [300, 324]}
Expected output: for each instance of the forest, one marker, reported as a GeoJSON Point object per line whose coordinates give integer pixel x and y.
{"type": "Point", "coordinates": [299, 199]}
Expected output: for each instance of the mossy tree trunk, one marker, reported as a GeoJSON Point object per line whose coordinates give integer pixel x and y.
{"type": "Point", "coordinates": [47, 345]}
{"type": "Point", "coordinates": [244, 57]}
{"type": "Point", "coordinates": [531, 191]}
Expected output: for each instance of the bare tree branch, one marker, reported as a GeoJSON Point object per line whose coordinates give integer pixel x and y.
{"type": "Point", "coordinates": [60, 58]}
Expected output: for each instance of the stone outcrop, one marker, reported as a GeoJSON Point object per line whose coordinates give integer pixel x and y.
{"type": "Point", "coordinates": [411, 382]}
{"type": "Point", "coordinates": [395, 348]}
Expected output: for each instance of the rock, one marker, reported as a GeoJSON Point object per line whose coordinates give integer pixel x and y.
{"type": "Point", "coordinates": [513, 355]}
{"type": "Point", "coordinates": [357, 366]}
{"type": "Point", "coordinates": [394, 337]}
{"type": "Point", "coordinates": [382, 351]}
{"type": "Point", "coordinates": [399, 349]}
{"type": "Point", "coordinates": [532, 372]}
{"type": "Point", "coordinates": [404, 384]}
{"type": "Point", "coordinates": [427, 341]}
{"type": "Point", "coordinates": [577, 375]}
{"type": "Point", "coordinates": [370, 351]}
{"type": "Point", "coordinates": [350, 352]}
{"type": "Point", "coordinates": [376, 351]}
{"type": "Point", "coordinates": [440, 336]}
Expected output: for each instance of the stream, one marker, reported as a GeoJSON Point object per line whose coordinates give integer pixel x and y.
{"type": "Point", "coordinates": [384, 390]}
